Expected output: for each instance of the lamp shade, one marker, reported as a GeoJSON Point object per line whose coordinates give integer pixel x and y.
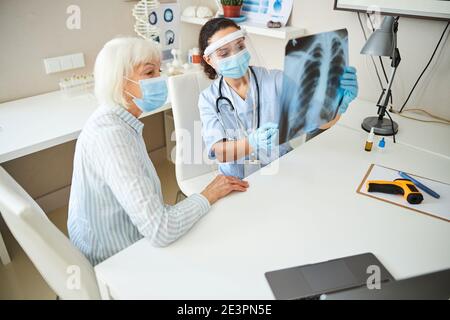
{"type": "Point", "coordinates": [382, 41]}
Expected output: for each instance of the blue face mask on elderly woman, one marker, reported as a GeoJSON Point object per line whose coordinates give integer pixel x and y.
{"type": "Point", "coordinates": [154, 93]}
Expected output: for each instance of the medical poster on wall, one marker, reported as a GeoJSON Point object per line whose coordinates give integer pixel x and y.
{"type": "Point", "coordinates": [167, 19]}
{"type": "Point", "coordinates": [262, 11]}
{"type": "Point", "coordinates": [311, 96]}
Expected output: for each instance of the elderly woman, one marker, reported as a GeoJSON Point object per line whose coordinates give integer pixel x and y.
{"type": "Point", "coordinates": [116, 195]}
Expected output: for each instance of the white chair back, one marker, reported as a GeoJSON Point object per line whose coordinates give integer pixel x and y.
{"type": "Point", "coordinates": [184, 93]}
{"type": "Point", "coordinates": [64, 267]}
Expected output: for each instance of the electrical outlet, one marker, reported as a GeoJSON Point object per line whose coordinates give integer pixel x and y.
{"type": "Point", "coordinates": [66, 63]}
{"type": "Point", "coordinates": [78, 60]}
{"type": "Point", "coordinates": [63, 63]}
{"type": "Point", "coordinates": [52, 65]}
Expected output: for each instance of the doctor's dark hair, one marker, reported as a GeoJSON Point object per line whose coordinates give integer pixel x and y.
{"type": "Point", "coordinates": [208, 30]}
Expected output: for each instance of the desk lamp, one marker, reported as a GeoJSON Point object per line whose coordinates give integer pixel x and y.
{"type": "Point", "coordinates": [383, 43]}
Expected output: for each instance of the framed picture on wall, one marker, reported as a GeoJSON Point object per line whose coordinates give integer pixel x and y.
{"type": "Point", "coordinates": [262, 11]}
{"type": "Point", "coordinates": [167, 19]}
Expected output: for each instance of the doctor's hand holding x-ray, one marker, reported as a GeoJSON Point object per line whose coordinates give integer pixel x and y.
{"type": "Point", "coordinates": [348, 90]}
{"type": "Point", "coordinates": [240, 110]}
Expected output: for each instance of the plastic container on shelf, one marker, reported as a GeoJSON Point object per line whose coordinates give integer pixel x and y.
{"type": "Point", "coordinates": [196, 57]}
{"type": "Point", "coordinates": [77, 85]}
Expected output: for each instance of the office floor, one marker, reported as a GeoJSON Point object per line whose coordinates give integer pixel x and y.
{"type": "Point", "coordinates": [21, 280]}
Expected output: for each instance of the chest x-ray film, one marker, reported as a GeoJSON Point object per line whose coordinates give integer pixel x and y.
{"type": "Point", "coordinates": [312, 69]}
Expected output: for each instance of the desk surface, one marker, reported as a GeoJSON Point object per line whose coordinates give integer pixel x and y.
{"type": "Point", "coordinates": [423, 136]}
{"type": "Point", "coordinates": [308, 212]}
{"type": "Point", "coordinates": [40, 122]}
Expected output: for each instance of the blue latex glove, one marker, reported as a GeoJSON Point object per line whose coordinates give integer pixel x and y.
{"type": "Point", "coordinates": [348, 88]}
{"type": "Point", "coordinates": [264, 137]}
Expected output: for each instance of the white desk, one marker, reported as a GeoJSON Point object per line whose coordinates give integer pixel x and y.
{"type": "Point", "coordinates": [33, 124]}
{"type": "Point", "coordinates": [423, 136]}
{"type": "Point", "coordinates": [40, 122]}
{"type": "Point", "coordinates": [308, 212]}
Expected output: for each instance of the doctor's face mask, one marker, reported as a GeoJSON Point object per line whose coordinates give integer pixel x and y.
{"type": "Point", "coordinates": [229, 55]}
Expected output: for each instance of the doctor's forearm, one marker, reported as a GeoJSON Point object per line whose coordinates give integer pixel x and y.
{"type": "Point", "coordinates": [228, 151]}
{"type": "Point", "coordinates": [331, 123]}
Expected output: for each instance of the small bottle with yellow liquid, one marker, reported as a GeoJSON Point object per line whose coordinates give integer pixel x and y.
{"type": "Point", "coordinates": [369, 142]}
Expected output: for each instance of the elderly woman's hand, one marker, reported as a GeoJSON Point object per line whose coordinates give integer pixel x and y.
{"type": "Point", "coordinates": [221, 186]}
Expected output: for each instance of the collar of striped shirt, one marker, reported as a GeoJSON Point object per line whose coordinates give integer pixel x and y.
{"type": "Point", "coordinates": [126, 116]}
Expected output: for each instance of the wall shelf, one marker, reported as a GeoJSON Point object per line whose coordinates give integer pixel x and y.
{"type": "Point", "coordinates": [284, 33]}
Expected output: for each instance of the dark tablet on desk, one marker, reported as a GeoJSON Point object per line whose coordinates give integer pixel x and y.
{"type": "Point", "coordinates": [313, 280]}
{"type": "Point", "coordinates": [431, 286]}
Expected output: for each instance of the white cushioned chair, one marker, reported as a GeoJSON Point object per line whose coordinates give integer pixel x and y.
{"type": "Point", "coordinates": [193, 172]}
{"type": "Point", "coordinates": [63, 266]}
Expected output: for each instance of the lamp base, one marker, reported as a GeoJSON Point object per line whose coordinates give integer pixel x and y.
{"type": "Point", "coordinates": [381, 127]}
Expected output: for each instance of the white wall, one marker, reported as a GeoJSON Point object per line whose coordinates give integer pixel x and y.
{"type": "Point", "coordinates": [416, 40]}
{"type": "Point", "coordinates": [32, 30]}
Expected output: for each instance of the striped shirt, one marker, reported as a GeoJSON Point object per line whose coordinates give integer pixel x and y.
{"type": "Point", "coordinates": [115, 197]}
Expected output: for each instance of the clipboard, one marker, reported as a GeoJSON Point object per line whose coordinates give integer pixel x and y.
{"type": "Point", "coordinates": [437, 208]}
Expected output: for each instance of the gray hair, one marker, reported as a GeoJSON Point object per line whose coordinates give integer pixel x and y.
{"type": "Point", "coordinates": [115, 61]}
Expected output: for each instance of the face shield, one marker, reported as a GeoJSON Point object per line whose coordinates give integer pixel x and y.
{"type": "Point", "coordinates": [229, 49]}
{"type": "Point", "coordinates": [227, 46]}
{"type": "Point", "coordinates": [231, 54]}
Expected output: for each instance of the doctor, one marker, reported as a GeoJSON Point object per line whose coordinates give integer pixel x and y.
{"type": "Point", "coordinates": [240, 110]}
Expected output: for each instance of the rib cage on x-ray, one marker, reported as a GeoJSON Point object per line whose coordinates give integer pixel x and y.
{"type": "Point", "coordinates": [313, 66]}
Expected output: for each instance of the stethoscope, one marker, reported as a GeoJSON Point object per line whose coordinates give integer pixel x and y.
{"type": "Point", "coordinates": [222, 97]}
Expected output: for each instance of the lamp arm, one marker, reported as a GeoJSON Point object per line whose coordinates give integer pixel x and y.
{"type": "Point", "coordinates": [387, 94]}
